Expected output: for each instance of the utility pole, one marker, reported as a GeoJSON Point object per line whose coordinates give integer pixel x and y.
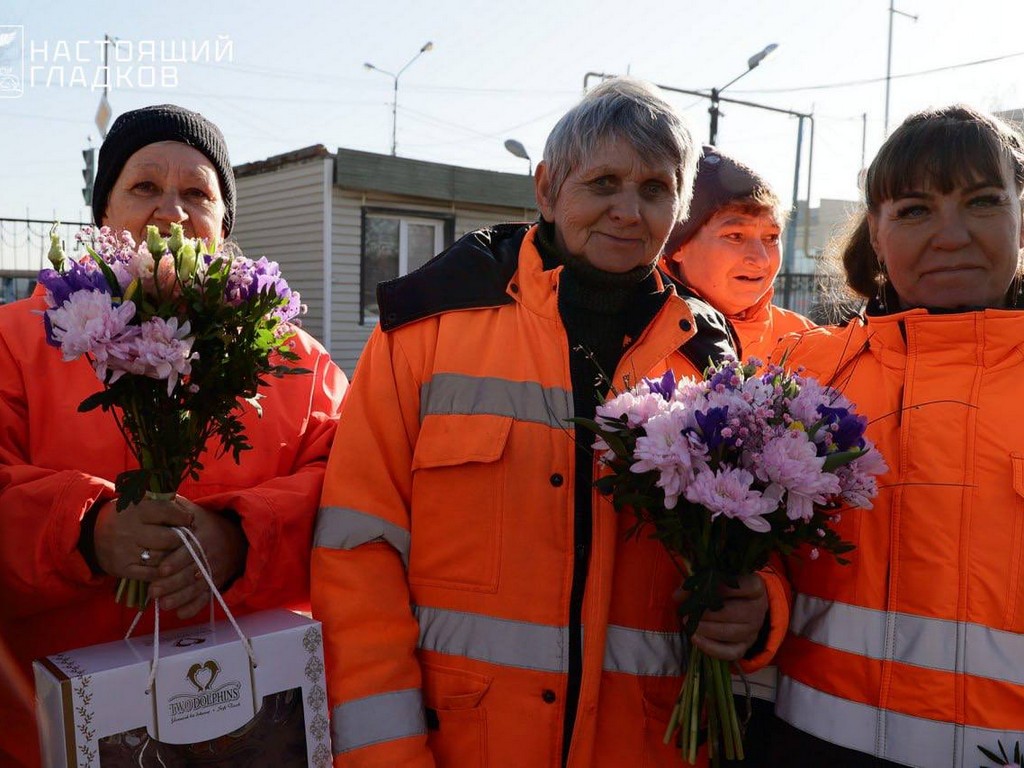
{"type": "Point", "coordinates": [888, 61]}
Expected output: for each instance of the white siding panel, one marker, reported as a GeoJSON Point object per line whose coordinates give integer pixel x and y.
{"type": "Point", "coordinates": [280, 216]}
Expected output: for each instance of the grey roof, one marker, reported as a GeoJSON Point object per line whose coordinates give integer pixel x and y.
{"type": "Point", "coordinates": [367, 171]}
{"type": "Point", "coordinates": [370, 172]}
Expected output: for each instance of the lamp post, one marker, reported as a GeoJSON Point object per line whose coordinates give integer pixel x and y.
{"type": "Point", "coordinates": [752, 63]}
{"type": "Point", "coordinates": [517, 149]}
{"type": "Point", "coordinates": [394, 103]}
{"type": "Point", "coordinates": [893, 10]}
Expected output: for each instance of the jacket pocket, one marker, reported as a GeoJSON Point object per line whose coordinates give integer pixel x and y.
{"type": "Point", "coordinates": [458, 486]}
{"type": "Point", "coordinates": [456, 723]}
{"type": "Point", "coordinates": [658, 754]}
{"type": "Point", "coordinates": [1013, 620]}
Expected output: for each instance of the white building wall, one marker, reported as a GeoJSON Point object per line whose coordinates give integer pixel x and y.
{"type": "Point", "coordinates": [280, 216]}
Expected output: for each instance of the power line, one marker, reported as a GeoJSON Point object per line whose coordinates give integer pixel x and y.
{"type": "Point", "coordinates": [873, 80]}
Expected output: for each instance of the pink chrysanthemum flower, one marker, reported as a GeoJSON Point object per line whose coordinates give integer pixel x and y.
{"type": "Point", "coordinates": [87, 322]}
{"type": "Point", "coordinates": [162, 350]}
{"type": "Point", "coordinates": [791, 462]}
{"type": "Point", "coordinates": [728, 492]}
{"type": "Point", "coordinates": [667, 448]}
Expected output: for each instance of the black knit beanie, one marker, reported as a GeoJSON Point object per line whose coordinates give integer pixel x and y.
{"type": "Point", "coordinates": [166, 122]}
{"type": "Point", "coordinates": [719, 181]}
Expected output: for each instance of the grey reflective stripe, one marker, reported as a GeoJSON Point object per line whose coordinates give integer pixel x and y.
{"type": "Point", "coordinates": [459, 394]}
{"type": "Point", "coordinates": [376, 719]}
{"type": "Point", "coordinates": [894, 736]}
{"type": "Point", "coordinates": [498, 641]}
{"type": "Point", "coordinates": [542, 646]}
{"type": "Point", "coordinates": [918, 640]}
{"type": "Point", "coordinates": [339, 528]}
{"type": "Point", "coordinates": [643, 652]}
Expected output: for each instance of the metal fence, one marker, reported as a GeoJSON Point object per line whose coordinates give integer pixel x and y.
{"type": "Point", "coordinates": [818, 297]}
{"type": "Point", "coordinates": [23, 247]}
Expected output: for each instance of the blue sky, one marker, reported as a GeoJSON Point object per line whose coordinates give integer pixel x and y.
{"type": "Point", "coordinates": [497, 70]}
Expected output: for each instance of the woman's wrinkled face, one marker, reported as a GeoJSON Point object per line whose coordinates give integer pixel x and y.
{"type": "Point", "coordinates": [163, 183]}
{"type": "Point", "coordinates": [614, 210]}
{"type": "Point", "coordinates": [951, 250]}
{"type": "Point", "coordinates": [733, 259]}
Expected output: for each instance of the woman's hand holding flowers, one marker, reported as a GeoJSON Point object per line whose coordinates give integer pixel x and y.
{"type": "Point", "coordinates": [121, 537]}
{"type": "Point", "coordinates": [731, 631]}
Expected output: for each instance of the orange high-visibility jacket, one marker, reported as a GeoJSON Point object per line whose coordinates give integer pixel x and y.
{"type": "Point", "coordinates": [914, 652]}
{"type": "Point", "coordinates": [760, 327]}
{"type": "Point", "coordinates": [443, 556]}
{"type": "Point", "coordinates": [55, 463]}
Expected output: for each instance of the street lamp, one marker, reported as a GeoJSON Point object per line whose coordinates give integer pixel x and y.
{"type": "Point", "coordinates": [517, 149]}
{"type": "Point", "coordinates": [394, 103]}
{"type": "Point", "coordinates": [752, 63]}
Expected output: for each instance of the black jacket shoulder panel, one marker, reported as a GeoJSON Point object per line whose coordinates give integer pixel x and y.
{"type": "Point", "coordinates": [473, 272]}
{"type": "Point", "coordinates": [715, 337]}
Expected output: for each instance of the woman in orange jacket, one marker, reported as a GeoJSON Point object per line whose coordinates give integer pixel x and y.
{"type": "Point", "coordinates": [481, 602]}
{"type": "Point", "coordinates": [727, 251]}
{"type": "Point", "coordinates": [62, 543]}
{"type": "Point", "coordinates": [914, 653]}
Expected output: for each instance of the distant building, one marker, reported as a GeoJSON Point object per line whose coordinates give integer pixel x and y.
{"type": "Point", "coordinates": [340, 222]}
{"type": "Point", "coordinates": [814, 233]}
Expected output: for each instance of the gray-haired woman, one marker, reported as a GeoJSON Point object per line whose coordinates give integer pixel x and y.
{"type": "Point", "coordinates": [540, 635]}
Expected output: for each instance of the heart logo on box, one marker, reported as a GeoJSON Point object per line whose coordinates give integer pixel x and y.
{"type": "Point", "coordinates": [203, 675]}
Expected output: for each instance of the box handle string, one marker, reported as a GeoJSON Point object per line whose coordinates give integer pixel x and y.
{"type": "Point", "coordinates": [195, 549]}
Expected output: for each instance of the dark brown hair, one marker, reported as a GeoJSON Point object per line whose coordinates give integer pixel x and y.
{"type": "Point", "coordinates": [939, 148]}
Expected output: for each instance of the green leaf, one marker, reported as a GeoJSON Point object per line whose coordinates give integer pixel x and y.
{"type": "Point", "coordinates": [101, 398]}
{"type": "Point", "coordinates": [840, 458]}
{"type": "Point", "coordinates": [108, 273]}
{"type": "Point", "coordinates": [991, 755]}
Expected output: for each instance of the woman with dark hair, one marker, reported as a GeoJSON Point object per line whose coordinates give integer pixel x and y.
{"type": "Point", "coordinates": [728, 251]}
{"type": "Point", "coordinates": [912, 654]}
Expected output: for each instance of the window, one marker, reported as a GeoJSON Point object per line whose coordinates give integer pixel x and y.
{"type": "Point", "coordinates": [14, 287]}
{"type": "Point", "coordinates": [394, 244]}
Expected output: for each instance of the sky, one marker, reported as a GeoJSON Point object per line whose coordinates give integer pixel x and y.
{"type": "Point", "coordinates": [291, 74]}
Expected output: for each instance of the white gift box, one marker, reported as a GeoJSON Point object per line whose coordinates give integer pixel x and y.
{"type": "Point", "coordinates": [208, 705]}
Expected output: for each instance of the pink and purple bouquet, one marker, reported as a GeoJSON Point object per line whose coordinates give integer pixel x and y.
{"type": "Point", "coordinates": [726, 472]}
{"type": "Point", "coordinates": [181, 333]}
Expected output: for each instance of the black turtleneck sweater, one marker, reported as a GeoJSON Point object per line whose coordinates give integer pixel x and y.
{"type": "Point", "coordinates": [603, 312]}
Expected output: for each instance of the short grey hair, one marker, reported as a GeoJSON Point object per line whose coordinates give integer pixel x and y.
{"type": "Point", "coordinates": [629, 109]}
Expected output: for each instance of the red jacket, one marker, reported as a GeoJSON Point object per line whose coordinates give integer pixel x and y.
{"type": "Point", "coordinates": [914, 652]}
{"type": "Point", "coordinates": [55, 463]}
{"type": "Point", "coordinates": [450, 489]}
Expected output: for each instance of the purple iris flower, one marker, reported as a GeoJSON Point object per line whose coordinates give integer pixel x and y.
{"type": "Point", "coordinates": [77, 277]}
{"type": "Point", "coordinates": [726, 378]}
{"type": "Point", "coordinates": [711, 425]}
{"type": "Point", "coordinates": [665, 386]}
{"type": "Point", "coordinates": [849, 432]}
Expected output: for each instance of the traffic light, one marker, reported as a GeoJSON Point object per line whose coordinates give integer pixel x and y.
{"type": "Point", "coordinates": [88, 173]}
